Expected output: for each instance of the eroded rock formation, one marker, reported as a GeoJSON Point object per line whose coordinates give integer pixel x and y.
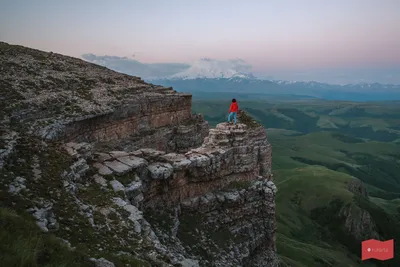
{"type": "Point", "coordinates": [214, 203]}
{"type": "Point", "coordinates": [122, 168]}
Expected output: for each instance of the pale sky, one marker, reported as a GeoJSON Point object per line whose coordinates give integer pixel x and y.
{"type": "Point", "coordinates": [275, 35]}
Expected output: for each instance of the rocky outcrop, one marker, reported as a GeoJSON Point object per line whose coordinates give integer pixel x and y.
{"type": "Point", "coordinates": [358, 222]}
{"type": "Point", "coordinates": [172, 137]}
{"type": "Point", "coordinates": [218, 200]}
{"type": "Point", "coordinates": [229, 154]}
{"type": "Point", "coordinates": [123, 169]}
{"type": "Point", "coordinates": [357, 187]}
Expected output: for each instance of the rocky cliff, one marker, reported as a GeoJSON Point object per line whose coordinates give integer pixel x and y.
{"type": "Point", "coordinates": [123, 171]}
{"type": "Point", "coordinates": [57, 97]}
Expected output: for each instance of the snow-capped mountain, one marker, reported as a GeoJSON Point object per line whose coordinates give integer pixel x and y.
{"type": "Point", "coordinates": [211, 69]}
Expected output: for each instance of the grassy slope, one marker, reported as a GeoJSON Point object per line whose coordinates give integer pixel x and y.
{"type": "Point", "coordinates": [325, 148]}
{"type": "Point", "coordinates": [21, 241]}
{"type": "Point", "coordinates": [304, 187]}
{"type": "Point", "coordinates": [299, 241]}
{"type": "Point", "coordinates": [23, 244]}
{"type": "Point", "coordinates": [312, 160]}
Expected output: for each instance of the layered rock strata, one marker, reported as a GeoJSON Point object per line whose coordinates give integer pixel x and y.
{"type": "Point", "coordinates": [63, 98]}
{"type": "Point", "coordinates": [217, 200]}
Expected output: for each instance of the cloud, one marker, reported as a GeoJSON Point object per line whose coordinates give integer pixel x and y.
{"type": "Point", "coordinates": [136, 68]}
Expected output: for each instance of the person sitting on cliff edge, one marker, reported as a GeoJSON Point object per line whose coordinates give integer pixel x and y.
{"type": "Point", "coordinates": [233, 111]}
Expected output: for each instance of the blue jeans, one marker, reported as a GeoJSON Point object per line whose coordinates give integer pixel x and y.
{"type": "Point", "coordinates": [234, 116]}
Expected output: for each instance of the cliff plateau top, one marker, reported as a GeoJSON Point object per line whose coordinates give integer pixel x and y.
{"type": "Point", "coordinates": [43, 88]}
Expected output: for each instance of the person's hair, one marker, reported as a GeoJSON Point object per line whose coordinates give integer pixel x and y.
{"type": "Point", "coordinates": [233, 100]}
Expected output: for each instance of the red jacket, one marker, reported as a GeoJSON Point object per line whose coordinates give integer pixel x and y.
{"type": "Point", "coordinates": [234, 107]}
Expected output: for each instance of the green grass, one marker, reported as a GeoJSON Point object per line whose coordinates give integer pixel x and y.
{"type": "Point", "coordinates": [304, 237]}
{"type": "Point", "coordinates": [325, 121]}
{"type": "Point", "coordinates": [375, 163]}
{"type": "Point", "coordinates": [390, 206]}
{"type": "Point", "coordinates": [22, 244]}
{"type": "Point", "coordinates": [248, 120]}
{"type": "Point", "coordinates": [300, 191]}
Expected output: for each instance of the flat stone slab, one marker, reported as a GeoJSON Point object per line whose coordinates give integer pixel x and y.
{"type": "Point", "coordinates": [118, 166]}
{"type": "Point", "coordinates": [101, 157]}
{"type": "Point", "coordinates": [137, 153]}
{"type": "Point", "coordinates": [173, 157]}
{"type": "Point", "coordinates": [100, 180]}
{"type": "Point", "coordinates": [152, 153]}
{"type": "Point", "coordinates": [118, 154]}
{"type": "Point", "coordinates": [102, 169]}
{"type": "Point", "coordinates": [117, 186]}
{"type": "Point", "coordinates": [133, 161]}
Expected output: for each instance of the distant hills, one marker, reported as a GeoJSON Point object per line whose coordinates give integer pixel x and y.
{"type": "Point", "coordinates": [234, 77]}
{"type": "Point", "coordinates": [319, 147]}
{"type": "Point", "coordinates": [238, 85]}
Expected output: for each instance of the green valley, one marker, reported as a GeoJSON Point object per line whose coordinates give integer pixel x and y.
{"type": "Point", "coordinates": [323, 213]}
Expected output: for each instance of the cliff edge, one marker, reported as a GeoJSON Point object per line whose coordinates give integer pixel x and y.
{"type": "Point", "coordinates": [123, 171]}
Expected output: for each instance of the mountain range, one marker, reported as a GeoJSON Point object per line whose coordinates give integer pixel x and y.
{"type": "Point", "coordinates": [234, 77]}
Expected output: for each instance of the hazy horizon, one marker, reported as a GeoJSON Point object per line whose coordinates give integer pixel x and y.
{"type": "Point", "coordinates": [309, 38]}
